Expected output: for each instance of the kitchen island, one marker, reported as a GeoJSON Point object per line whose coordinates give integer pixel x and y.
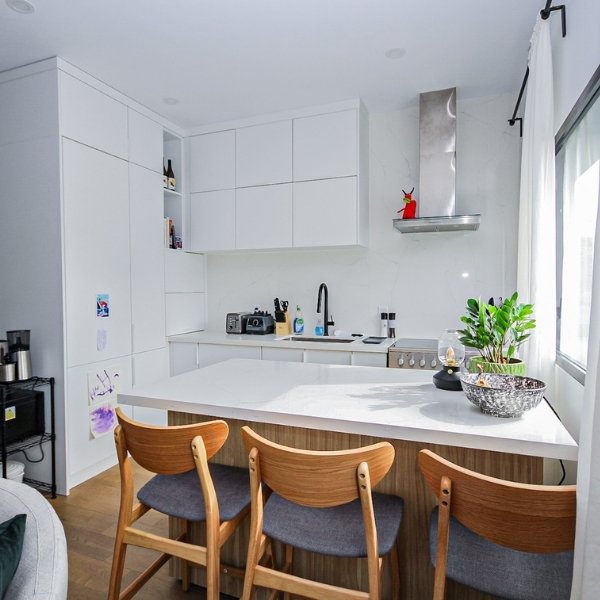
{"type": "Point", "coordinates": [327, 407]}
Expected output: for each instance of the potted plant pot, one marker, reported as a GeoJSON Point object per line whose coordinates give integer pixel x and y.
{"type": "Point", "coordinates": [513, 367]}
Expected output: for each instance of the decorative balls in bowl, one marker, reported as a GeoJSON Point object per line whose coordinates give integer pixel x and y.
{"type": "Point", "coordinates": [502, 395]}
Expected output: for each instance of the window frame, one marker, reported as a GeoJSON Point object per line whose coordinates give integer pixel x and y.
{"type": "Point", "coordinates": [588, 97]}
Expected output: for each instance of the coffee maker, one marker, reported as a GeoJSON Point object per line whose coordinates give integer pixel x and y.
{"type": "Point", "coordinates": [18, 352]}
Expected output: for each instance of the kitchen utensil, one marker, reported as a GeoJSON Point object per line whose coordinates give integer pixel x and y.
{"type": "Point", "coordinates": [23, 360]}
{"type": "Point", "coordinates": [8, 372]}
{"type": "Point", "coordinates": [504, 395]}
{"type": "Point", "coordinates": [18, 339]}
{"type": "Point", "coordinates": [3, 351]}
{"type": "Point", "coordinates": [236, 322]}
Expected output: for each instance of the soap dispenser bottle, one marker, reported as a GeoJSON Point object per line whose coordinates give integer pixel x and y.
{"type": "Point", "coordinates": [298, 322]}
{"type": "Point", "coordinates": [319, 329]}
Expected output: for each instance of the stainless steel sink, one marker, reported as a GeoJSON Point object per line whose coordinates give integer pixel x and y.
{"type": "Point", "coordinates": [333, 340]}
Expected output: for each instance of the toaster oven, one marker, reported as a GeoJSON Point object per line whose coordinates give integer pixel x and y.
{"type": "Point", "coordinates": [236, 322]}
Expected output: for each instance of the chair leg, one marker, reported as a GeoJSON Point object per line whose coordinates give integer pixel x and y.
{"type": "Point", "coordinates": [256, 541]}
{"type": "Point", "coordinates": [116, 573]}
{"type": "Point", "coordinates": [184, 565]}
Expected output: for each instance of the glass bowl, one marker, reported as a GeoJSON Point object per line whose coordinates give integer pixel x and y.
{"type": "Point", "coordinates": [506, 396]}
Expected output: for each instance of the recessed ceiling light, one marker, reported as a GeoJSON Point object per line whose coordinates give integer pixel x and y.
{"type": "Point", "coordinates": [170, 101]}
{"type": "Point", "coordinates": [21, 6]}
{"type": "Point", "coordinates": [394, 53]}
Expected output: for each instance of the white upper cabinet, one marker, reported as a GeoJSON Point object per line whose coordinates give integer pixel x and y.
{"type": "Point", "coordinates": [283, 174]}
{"type": "Point", "coordinates": [91, 117]}
{"type": "Point", "coordinates": [147, 263]}
{"type": "Point", "coordinates": [326, 146]}
{"type": "Point", "coordinates": [263, 217]}
{"type": "Point", "coordinates": [263, 154]}
{"type": "Point", "coordinates": [212, 161]}
{"type": "Point", "coordinates": [96, 243]}
{"type": "Point", "coordinates": [145, 141]}
{"type": "Point", "coordinates": [325, 213]}
{"type": "Point", "coordinates": [212, 221]}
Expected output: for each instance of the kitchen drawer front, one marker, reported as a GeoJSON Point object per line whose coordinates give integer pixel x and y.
{"type": "Point", "coordinates": [327, 357]}
{"type": "Point", "coordinates": [209, 354]}
{"type": "Point", "coordinates": [369, 359]}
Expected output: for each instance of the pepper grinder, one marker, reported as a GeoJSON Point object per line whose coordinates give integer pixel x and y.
{"type": "Point", "coordinates": [384, 325]}
{"type": "Point", "coordinates": [391, 325]}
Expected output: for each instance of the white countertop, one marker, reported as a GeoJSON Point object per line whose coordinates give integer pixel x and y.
{"type": "Point", "coordinates": [386, 403]}
{"type": "Point", "coordinates": [273, 341]}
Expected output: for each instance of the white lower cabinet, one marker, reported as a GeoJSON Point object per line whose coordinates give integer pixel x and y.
{"type": "Point", "coordinates": [147, 368]}
{"type": "Point", "coordinates": [188, 356]}
{"type": "Point", "coordinates": [327, 357]}
{"type": "Point", "coordinates": [183, 358]}
{"type": "Point", "coordinates": [369, 359]}
{"type": "Point", "coordinates": [212, 221]}
{"type": "Point", "coordinates": [209, 354]}
{"type": "Point", "coordinates": [285, 354]}
{"type": "Point", "coordinates": [89, 455]}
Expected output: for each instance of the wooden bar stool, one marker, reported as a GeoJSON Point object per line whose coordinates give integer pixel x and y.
{"type": "Point", "coordinates": [511, 540]}
{"type": "Point", "coordinates": [185, 487]}
{"type": "Point", "coordinates": [320, 502]}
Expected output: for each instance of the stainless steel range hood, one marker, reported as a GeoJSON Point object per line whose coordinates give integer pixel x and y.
{"type": "Point", "coordinates": [437, 175]}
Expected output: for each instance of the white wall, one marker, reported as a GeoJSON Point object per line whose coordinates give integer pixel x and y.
{"type": "Point", "coordinates": [419, 276]}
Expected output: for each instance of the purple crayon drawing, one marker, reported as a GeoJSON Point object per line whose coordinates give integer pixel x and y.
{"type": "Point", "coordinates": [102, 420]}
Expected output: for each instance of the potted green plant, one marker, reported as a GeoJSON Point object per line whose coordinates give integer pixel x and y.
{"type": "Point", "coordinates": [497, 332]}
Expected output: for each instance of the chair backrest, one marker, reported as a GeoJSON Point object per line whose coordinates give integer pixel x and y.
{"type": "Point", "coordinates": [317, 478]}
{"type": "Point", "coordinates": [530, 518]}
{"type": "Point", "coordinates": [167, 450]}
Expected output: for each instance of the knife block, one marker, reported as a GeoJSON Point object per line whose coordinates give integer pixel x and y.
{"type": "Point", "coordinates": [284, 328]}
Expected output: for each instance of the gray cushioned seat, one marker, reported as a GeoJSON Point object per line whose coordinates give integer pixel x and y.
{"type": "Point", "coordinates": [488, 567]}
{"type": "Point", "coordinates": [181, 495]}
{"type": "Point", "coordinates": [43, 572]}
{"type": "Point", "coordinates": [335, 531]}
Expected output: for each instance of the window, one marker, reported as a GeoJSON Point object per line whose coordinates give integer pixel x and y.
{"type": "Point", "coordinates": [578, 191]}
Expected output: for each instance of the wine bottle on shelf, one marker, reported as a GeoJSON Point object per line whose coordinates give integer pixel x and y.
{"type": "Point", "coordinates": [170, 176]}
{"type": "Point", "coordinates": [165, 177]}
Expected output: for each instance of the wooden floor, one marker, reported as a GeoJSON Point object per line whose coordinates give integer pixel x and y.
{"type": "Point", "coordinates": [89, 515]}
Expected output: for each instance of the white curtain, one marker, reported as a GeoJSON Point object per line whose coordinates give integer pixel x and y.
{"type": "Point", "coordinates": [586, 574]}
{"type": "Point", "coordinates": [536, 268]}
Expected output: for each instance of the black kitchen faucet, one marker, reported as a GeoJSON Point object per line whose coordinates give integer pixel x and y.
{"type": "Point", "coordinates": [326, 321]}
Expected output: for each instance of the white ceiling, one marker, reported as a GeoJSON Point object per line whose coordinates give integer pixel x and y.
{"type": "Point", "coordinates": [230, 59]}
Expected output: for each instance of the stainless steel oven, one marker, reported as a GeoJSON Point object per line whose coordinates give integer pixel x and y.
{"type": "Point", "coordinates": [411, 353]}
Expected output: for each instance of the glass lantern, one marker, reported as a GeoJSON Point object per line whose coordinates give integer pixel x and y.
{"type": "Point", "coordinates": [451, 354]}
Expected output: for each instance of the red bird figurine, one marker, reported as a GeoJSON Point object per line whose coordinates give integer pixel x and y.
{"type": "Point", "coordinates": [410, 210]}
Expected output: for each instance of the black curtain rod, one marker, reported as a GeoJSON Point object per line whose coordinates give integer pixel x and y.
{"type": "Point", "coordinates": [545, 12]}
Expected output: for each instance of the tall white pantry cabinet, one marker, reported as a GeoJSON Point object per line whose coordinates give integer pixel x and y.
{"type": "Point", "coordinates": [82, 215]}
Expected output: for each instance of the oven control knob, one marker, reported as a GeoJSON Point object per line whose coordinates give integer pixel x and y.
{"type": "Point", "coordinates": [400, 362]}
{"type": "Point", "coordinates": [411, 362]}
{"type": "Point", "coordinates": [422, 363]}
{"type": "Point", "coordinates": [433, 363]}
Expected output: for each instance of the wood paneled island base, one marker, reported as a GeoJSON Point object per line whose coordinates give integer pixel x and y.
{"type": "Point", "coordinates": [404, 479]}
